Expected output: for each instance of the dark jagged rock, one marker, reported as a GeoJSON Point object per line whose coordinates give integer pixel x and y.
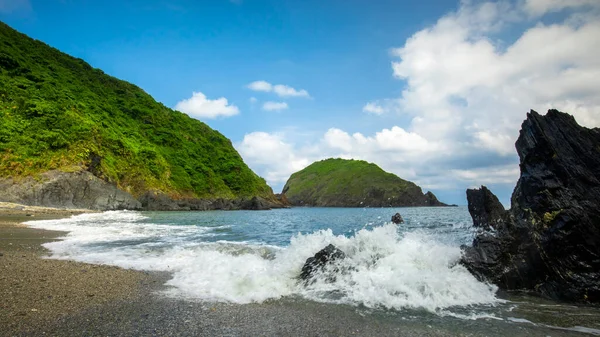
{"type": "Point", "coordinates": [321, 259]}
{"type": "Point", "coordinates": [397, 218]}
{"type": "Point", "coordinates": [485, 208]}
{"type": "Point", "coordinates": [549, 241]}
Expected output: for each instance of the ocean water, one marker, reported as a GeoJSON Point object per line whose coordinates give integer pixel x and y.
{"type": "Point", "coordinates": [407, 271]}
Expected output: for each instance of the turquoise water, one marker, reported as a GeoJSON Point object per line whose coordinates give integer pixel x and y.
{"type": "Point", "coordinates": [408, 271]}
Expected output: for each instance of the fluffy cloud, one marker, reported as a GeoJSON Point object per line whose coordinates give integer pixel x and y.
{"type": "Point", "coordinates": [198, 106]}
{"type": "Point", "coordinates": [271, 156]}
{"type": "Point", "coordinates": [373, 108]}
{"type": "Point", "coordinates": [275, 157]}
{"type": "Point", "coordinates": [280, 89]}
{"type": "Point", "coordinates": [287, 91]}
{"type": "Point", "coordinates": [467, 87]}
{"type": "Point", "coordinates": [260, 86]}
{"type": "Point", "coordinates": [274, 106]}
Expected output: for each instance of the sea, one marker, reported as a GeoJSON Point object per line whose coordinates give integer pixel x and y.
{"type": "Point", "coordinates": [406, 272]}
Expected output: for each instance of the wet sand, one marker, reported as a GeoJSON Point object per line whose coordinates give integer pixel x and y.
{"type": "Point", "coordinates": [40, 296]}
{"type": "Point", "coordinates": [35, 292]}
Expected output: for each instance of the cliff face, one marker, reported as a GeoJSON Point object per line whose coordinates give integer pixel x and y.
{"type": "Point", "coordinates": [353, 183]}
{"type": "Point", "coordinates": [67, 190]}
{"type": "Point", "coordinates": [60, 115]}
{"type": "Point", "coordinates": [549, 241]}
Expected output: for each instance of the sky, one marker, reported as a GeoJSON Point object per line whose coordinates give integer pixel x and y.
{"type": "Point", "coordinates": [434, 91]}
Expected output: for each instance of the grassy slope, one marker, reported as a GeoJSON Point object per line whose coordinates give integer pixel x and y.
{"type": "Point", "coordinates": [340, 182]}
{"type": "Point", "coordinates": [57, 112]}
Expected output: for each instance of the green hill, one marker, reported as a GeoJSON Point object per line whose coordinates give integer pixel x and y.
{"type": "Point", "coordinates": [353, 183]}
{"type": "Point", "coordinates": [59, 113]}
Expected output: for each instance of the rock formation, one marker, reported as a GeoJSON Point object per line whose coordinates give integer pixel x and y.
{"type": "Point", "coordinates": [67, 190]}
{"type": "Point", "coordinates": [549, 241]}
{"type": "Point", "coordinates": [320, 260]}
{"type": "Point", "coordinates": [397, 218]}
{"type": "Point", "coordinates": [485, 208]}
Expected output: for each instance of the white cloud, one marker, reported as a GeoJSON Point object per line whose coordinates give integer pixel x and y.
{"type": "Point", "coordinates": [373, 108]}
{"type": "Point", "coordinates": [396, 150]}
{"type": "Point", "coordinates": [260, 86]}
{"type": "Point", "coordinates": [467, 89]}
{"type": "Point", "coordinates": [504, 174]}
{"type": "Point", "coordinates": [287, 91]}
{"type": "Point", "coordinates": [253, 100]}
{"type": "Point", "coordinates": [466, 86]}
{"type": "Point", "coordinates": [281, 90]}
{"type": "Point", "coordinates": [338, 139]}
{"type": "Point", "coordinates": [270, 156]}
{"type": "Point", "coordinates": [274, 106]}
{"type": "Point", "coordinates": [198, 106]}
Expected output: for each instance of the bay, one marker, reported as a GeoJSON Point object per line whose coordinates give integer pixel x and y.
{"type": "Point", "coordinates": [407, 272]}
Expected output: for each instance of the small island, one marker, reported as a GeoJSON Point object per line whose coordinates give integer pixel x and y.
{"type": "Point", "coordinates": [353, 183]}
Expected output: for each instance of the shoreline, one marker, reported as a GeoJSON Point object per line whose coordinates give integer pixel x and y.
{"type": "Point", "coordinates": [40, 296]}
{"type": "Point", "coordinates": [36, 292]}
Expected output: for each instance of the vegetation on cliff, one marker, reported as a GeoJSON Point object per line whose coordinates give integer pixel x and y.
{"type": "Point", "coordinates": [353, 183]}
{"type": "Point", "coordinates": [59, 113]}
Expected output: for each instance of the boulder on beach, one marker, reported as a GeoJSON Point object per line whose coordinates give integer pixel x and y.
{"type": "Point", "coordinates": [320, 260]}
{"type": "Point", "coordinates": [549, 241]}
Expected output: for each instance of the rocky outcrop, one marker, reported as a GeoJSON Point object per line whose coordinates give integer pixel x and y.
{"type": "Point", "coordinates": [549, 241]}
{"type": "Point", "coordinates": [485, 208]}
{"type": "Point", "coordinates": [432, 200]}
{"type": "Point", "coordinates": [67, 190]}
{"type": "Point", "coordinates": [319, 261]}
{"type": "Point", "coordinates": [397, 218]}
{"type": "Point", "coordinates": [159, 201]}
{"type": "Point", "coordinates": [283, 199]}
{"type": "Point", "coordinates": [83, 190]}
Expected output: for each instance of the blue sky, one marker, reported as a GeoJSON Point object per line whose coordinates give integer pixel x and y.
{"type": "Point", "coordinates": [433, 91]}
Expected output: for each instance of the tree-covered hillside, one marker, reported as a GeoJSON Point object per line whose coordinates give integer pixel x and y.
{"type": "Point", "coordinates": [57, 112]}
{"type": "Point", "coordinates": [353, 183]}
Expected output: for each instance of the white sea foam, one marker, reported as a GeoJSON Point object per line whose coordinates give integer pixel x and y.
{"type": "Point", "coordinates": [383, 269]}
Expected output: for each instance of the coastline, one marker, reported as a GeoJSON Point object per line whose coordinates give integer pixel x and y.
{"type": "Point", "coordinates": [41, 296]}
{"type": "Point", "coordinates": [64, 298]}
{"type": "Point", "coordinates": [35, 292]}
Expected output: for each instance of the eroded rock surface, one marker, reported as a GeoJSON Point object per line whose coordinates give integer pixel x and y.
{"type": "Point", "coordinates": [549, 241]}
{"type": "Point", "coordinates": [67, 190]}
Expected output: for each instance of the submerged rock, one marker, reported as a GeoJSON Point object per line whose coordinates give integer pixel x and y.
{"type": "Point", "coordinates": [321, 259]}
{"type": "Point", "coordinates": [397, 218]}
{"type": "Point", "coordinates": [549, 241]}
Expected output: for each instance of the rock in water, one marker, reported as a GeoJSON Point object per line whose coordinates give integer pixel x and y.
{"type": "Point", "coordinates": [549, 241]}
{"type": "Point", "coordinates": [397, 218]}
{"type": "Point", "coordinates": [485, 208]}
{"type": "Point", "coordinates": [321, 259]}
